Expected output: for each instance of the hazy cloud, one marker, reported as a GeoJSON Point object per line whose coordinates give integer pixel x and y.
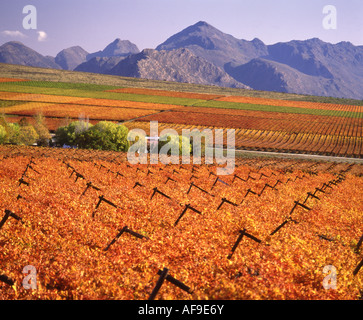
{"type": "Point", "coordinates": [42, 36]}
{"type": "Point", "coordinates": [16, 33]}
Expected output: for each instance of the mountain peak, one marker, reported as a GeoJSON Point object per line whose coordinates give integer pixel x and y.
{"type": "Point", "coordinates": [115, 42]}
{"type": "Point", "coordinates": [15, 52]}
{"type": "Point", "coordinates": [202, 24]}
{"type": "Point", "coordinates": [202, 27]}
{"type": "Point", "coordinates": [200, 34]}
{"type": "Point", "coordinates": [214, 45]}
{"type": "Point", "coordinates": [71, 57]}
{"type": "Point", "coordinates": [14, 43]}
{"type": "Point", "coordinates": [118, 47]}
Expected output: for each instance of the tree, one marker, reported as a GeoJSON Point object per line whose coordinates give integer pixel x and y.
{"type": "Point", "coordinates": [3, 135]}
{"type": "Point", "coordinates": [72, 134]}
{"type": "Point", "coordinates": [5, 125]}
{"type": "Point", "coordinates": [27, 136]}
{"type": "Point", "coordinates": [65, 134]}
{"type": "Point", "coordinates": [107, 135]}
{"type": "Point", "coordinates": [3, 121]}
{"type": "Point", "coordinates": [23, 122]}
{"type": "Point", "coordinates": [13, 131]}
{"type": "Point", "coordinates": [42, 130]}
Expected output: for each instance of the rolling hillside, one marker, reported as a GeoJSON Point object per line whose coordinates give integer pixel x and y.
{"type": "Point", "coordinates": [261, 122]}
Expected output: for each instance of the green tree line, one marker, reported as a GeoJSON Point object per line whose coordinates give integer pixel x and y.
{"type": "Point", "coordinates": [25, 133]}
{"type": "Point", "coordinates": [104, 135]}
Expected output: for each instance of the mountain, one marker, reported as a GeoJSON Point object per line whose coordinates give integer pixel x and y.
{"type": "Point", "coordinates": [311, 66]}
{"type": "Point", "coordinates": [70, 58]}
{"type": "Point", "coordinates": [215, 46]}
{"type": "Point", "coordinates": [99, 65]}
{"type": "Point", "coordinates": [179, 65]}
{"type": "Point", "coordinates": [305, 56]}
{"type": "Point", "coordinates": [15, 52]}
{"type": "Point", "coordinates": [266, 75]}
{"type": "Point", "coordinates": [341, 64]}
{"type": "Point", "coordinates": [118, 47]}
{"type": "Point", "coordinates": [203, 54]}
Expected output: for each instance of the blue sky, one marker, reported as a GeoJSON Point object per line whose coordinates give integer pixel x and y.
{"type": "Point", "coordinates": [93, 24]}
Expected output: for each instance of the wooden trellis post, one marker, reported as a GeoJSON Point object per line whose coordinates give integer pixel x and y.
{"type": "Point", "coordinates": [103, 199]}
{"type": "Point", "coordinates": [185, 209]}
{"type": "Point", "coordinates": [165, 276]}
{"type": "Point", "coordinates": [8, 214]}
{"type": "Point", "coordinates": [125, 229]}
{"type": "Point", "coordinates": [242, 233]}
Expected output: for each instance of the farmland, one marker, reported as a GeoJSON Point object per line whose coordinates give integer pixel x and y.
{"type": "Point", "coordinates": [96, 227]}
{"type": "Point", "coordinates": [265, 124]}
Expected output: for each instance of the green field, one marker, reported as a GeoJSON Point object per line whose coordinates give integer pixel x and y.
{"type": "Point", "coordinates": [90, 91]}
{"type": "Point", "coordinates": [99, 91]}
{"type": "Point", "coordinates": [268, 108]}
{"type": "Point", "coordinates": [89, 79]}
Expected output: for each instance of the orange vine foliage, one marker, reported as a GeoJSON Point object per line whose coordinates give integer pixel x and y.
{"type": "Point", "coordinates": [64, 236]}
{"type": "Point", "coordinates": [291, 103]}
{"type": "Point", "coordinates": [275, 131]}
{"type": "Point", "coordinates": [167, 93]}
{"type": "Point", "coordinates": [127, 104]}
{"type": "Point", "coordinates": [257, 130]}
{"type": "Point", "coordinates": [74, 111]}
{"type": "Point", "coordinates": [11, 80]}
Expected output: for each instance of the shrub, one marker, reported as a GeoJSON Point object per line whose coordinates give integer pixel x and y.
{"type": "Point", "coordinates": [105, 135]}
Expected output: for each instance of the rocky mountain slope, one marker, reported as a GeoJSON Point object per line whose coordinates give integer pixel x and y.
{"type": "Point", "coordinates": [179, 65]}
{"type": "Point", "coordinates": [70, 58]}
{"type": "Point", "coordinates": [15, 52]}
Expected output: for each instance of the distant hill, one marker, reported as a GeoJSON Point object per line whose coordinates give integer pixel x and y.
{"type": "Point", "coordinates": [267, 75]}
{"type": "Point", "coordinates": [179, 65]}
{"type": "Point", "coordinates": [15, 52]}
{"type": "Point", "coordinates": [339, 66]}
{"type": "Point", "coordinates": [70, 58]}
{"type": "Point", "coordinates": [120, 48]}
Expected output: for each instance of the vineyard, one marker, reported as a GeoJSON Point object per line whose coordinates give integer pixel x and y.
{"type": "Point", "coordinates": [87, 224]}
{"type": "Point", "coordinates": [261, 124]}
{"type": "Point", "coordinates": [95, 227]}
